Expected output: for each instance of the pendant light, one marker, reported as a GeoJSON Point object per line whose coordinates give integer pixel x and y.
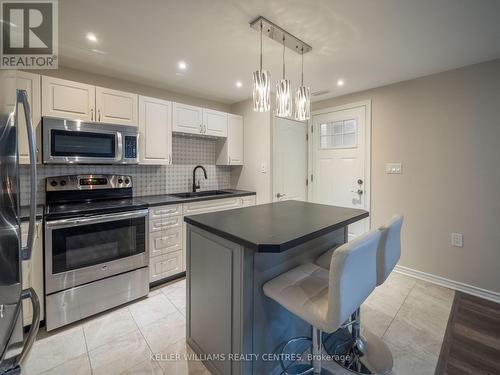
{"type": "Point", "coordinates": [283, 92]}
{"type": "Point", "coordinates": [302, 98]}
{"type": "Point", "coordinates": [261, 85]}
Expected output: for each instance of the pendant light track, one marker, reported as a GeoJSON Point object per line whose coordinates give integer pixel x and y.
{"type": "Point", "coordinates": [276, 33]}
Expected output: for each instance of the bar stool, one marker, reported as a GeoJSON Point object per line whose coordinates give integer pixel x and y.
{"type": "Point", "coordinates": [327, 298]}
{"type": "Point", "coordinates": [374, 355]}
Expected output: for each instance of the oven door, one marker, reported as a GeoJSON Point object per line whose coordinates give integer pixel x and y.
{"type": "Point", "coordinates": [82, 250]}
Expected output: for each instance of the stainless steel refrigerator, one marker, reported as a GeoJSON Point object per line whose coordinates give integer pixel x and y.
{"type": "Point", "coordinates": [14, 343]}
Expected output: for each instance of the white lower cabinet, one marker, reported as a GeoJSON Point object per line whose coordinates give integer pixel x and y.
{"type": "Point", "coordinates": [249, 200]}
{"type": "Point", "coordinates": [167, 232]}
{"type": "Point", "coordinates": [32, 272]}
{"type": "Point", "coordinates": [163, 266]}
{"type": "Point", "coordinates": [165, 241]}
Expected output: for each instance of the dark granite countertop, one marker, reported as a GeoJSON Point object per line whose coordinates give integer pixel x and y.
{"type": "Point", "coordinates": [154, 200]}
{"type": "Point", "coordinates": [160, 200]}
{"type": "Point", "coordinates": [276, 227]}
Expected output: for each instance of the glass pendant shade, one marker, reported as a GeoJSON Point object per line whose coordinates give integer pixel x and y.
{"type": "Point", "coordinates": [261, 91]}
{"type": "Point", "coordinates": [303, 103]}
{"type": "Point", "coordinates": [283, 98]}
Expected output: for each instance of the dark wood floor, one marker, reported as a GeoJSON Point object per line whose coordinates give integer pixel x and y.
{"type": "Point", "coordinates": [472, 341]}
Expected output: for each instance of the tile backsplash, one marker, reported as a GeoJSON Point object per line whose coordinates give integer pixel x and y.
{"type": "Point", "coordinates": [148, 179]}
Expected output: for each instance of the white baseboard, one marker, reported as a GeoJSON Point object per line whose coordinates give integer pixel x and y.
{"type": "Point", "coordinates": [452, 284]}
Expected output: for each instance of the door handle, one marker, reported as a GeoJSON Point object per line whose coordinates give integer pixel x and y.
{"type": "Point", "coordinates": [99, 113]}
{"type": "Point", "coordinates": [359, 191]}
{"type": "Point", "coordinates": [22, 98]}
{"type": "Point", "coordinates": [279, 195]}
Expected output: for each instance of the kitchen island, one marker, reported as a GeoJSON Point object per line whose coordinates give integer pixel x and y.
{"type": "Point", "coordinates": [230, 255]}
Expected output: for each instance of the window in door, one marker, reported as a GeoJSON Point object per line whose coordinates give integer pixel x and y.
{"type": "Point", "coordinates": [338, 134]}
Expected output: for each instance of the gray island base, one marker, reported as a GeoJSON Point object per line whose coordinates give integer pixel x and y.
{"type": "Point", "coordinates": [231, 324]}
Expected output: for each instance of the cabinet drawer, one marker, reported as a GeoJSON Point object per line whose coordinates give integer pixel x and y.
{"type": "Point", "coordinates": [165, 223]}
{"type": "Point", "coordinates": [165, 265]}
{"type": "Point", "coordinates": [165, 241]}
{"type": "Point", "coordinates": [248, 201]}
{"type": "Point", "coordinates": [165, 211]}
{"type": "Point", "coordinates": [211, 206]}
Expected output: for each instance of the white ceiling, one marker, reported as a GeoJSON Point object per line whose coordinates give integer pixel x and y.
{"type": "Point", "coordinates": [367, 43]}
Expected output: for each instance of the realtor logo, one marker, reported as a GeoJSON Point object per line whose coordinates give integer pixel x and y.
{"type": "Point", "coordinates": [29, 34]}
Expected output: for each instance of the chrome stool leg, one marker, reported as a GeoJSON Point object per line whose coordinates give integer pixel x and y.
{"type": "Point", "coordinates": [367, 353]}
{"type": "Point", "coordinates": [317, 352]}
{"type": "Point", "coordinates": [317, 346]}
{"type": "Point", "coordinates": [303, 368]}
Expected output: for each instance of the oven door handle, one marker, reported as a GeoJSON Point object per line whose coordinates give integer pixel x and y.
{"type": "Point", "coordinates": [66, 223]}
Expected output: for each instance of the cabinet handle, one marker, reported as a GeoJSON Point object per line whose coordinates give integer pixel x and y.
{"type": "Point", "coordinates": [169, 158]}
{"type": "Point", "coordinates": [229, 159]}
{"type": "Point", "coordinates": [99, 113]}
{"type": "Point", "coordinates": [201, 128]}
{"type": "Point", "coordinates": [205, 127]}
{"type": "Point", "coordinates": [91, 114]}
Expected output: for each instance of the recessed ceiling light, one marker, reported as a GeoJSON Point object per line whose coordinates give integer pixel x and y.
{"type": "Point", "coordinates": [91, 37]}
{"type": "Point", "coordinates": [182, 65]}
{"type": "Point", "coordinates": [239, 84]}
{"type": "Point", "coordinates": [340, 82]}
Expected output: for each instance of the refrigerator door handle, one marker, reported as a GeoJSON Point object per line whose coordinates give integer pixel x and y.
{"type": "Point", "coordinates": [22, 98]}
{"type": "Point", "coordinates": [35, 323]}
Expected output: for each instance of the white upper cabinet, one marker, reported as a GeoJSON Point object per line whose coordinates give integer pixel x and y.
{"type": "Point", "coordinates": [214, 123]}
{"type": "Point", "coordinates": [31, 84]}
{"type": "Point", "coordinates": [230, 150]}
{"type": "Point", "coordinates": [68, 99]}
{"type": "Point", "coordinates": [196, 120]}
{"type": "Point", "coordinates": [116, 107]}
{"type": "Point", "coordinates": [187, 119]}
{"type": "Point", "coordinates": [155, 131]}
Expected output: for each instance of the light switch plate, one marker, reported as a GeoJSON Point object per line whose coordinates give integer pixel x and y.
{"type": "Point", "coordinates": [457, 240]}
{"type": "Point", "coordinates": [393, 168]}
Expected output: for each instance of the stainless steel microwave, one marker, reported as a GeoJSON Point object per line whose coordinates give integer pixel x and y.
{"type": "Point", "coordinates": [76, 142]}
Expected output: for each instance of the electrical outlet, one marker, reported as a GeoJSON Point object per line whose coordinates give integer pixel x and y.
{"type": "Point", "coordinates": [393, 168]}
{"type": "Point", "coordinates": [263, 167]}
{"type": "Point", "coordinates": [457, 240]}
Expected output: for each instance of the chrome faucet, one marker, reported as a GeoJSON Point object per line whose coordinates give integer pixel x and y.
{"type": "Point", "coordinates": [197, 185]}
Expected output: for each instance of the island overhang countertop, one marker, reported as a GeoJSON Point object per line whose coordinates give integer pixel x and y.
{"type": "Point", "coordinates": [276, 227]}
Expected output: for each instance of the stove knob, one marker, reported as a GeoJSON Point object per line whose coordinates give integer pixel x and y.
{"type": "Point", "coordinates": [53, 183]}
{"type": "Point", "coordinates": [120, 181]}
{"type": "Point", "coordinates": [63, 182]}
{"type": "Point", "coordinates": [127, 181]}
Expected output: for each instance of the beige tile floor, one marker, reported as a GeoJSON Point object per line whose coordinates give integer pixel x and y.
{"type": "Point", "coordinates": [410, 316]}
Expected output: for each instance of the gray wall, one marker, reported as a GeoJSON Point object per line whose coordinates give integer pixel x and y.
{"type": "Point", "coordinates": [257, 150]}
{"type": "Point", "coordinates": [445, 129]}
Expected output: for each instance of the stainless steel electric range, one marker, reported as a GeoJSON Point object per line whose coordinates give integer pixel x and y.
{"type": "Point", "coordinates": [96, 246]}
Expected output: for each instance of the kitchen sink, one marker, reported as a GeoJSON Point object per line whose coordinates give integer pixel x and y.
{"type": "Point", "coordinates": [207, 193]}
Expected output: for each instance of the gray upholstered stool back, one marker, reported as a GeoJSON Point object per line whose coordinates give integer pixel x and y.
{"type": "Point", "coordinates": [353, 277]}
{"type": "Point", "coordinates": [389, 250]}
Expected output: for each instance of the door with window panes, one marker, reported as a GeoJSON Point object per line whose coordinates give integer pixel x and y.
{"type": "Point", "coordinates": [339, 162]}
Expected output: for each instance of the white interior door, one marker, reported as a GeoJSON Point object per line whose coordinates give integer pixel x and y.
{"type": "Point", "coordinates": [290, 160]}
{"type": "Point", "coordinates": [340, 161]}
